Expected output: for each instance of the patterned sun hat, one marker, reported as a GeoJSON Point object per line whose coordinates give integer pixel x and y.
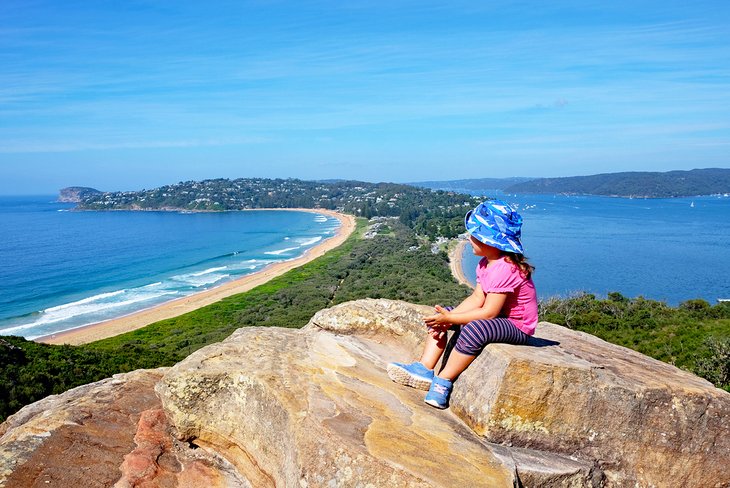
{"type": "Point", "coordinates": [495, 224]}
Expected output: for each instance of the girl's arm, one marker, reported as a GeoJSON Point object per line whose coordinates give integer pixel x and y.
{"type": "Point", "coordinates": [492, 306]}
{"type": "Point", "coordinates": [473, 301]}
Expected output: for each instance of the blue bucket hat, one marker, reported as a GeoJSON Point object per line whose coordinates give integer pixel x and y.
{"type": "Point", "coordinates": [495, 224]}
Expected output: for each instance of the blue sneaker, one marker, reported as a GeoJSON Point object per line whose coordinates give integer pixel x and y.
{"type": "Point", "coordinates": [415, 375]}
{"type": "Point", "coordinates": [438, 394]}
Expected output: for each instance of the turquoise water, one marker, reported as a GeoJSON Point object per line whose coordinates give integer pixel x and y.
{"type": "Point", "coordinates": [61, 269]}
{"type": "Point", "coordinates": [665, 249]}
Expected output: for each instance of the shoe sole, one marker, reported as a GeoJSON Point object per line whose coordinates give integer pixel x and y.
{"type": "Point", "coordinates": [399, 375]}
{"type": "Point", "coordinates": [437, 405]}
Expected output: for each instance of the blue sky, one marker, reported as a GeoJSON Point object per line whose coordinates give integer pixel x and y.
{"type": "Point", "coordinates": [136, 94]}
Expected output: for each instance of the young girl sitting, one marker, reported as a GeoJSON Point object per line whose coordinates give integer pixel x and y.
{"type": "Point", "coordinates": [502, 308]}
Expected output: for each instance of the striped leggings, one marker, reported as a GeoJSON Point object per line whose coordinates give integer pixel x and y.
{"type": "Point", "coordinates": [475, 335]}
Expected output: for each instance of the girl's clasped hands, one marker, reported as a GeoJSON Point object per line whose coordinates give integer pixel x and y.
{"type": "Point", "coordinates": [439, 323]}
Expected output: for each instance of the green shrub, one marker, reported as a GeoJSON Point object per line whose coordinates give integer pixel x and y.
{"type": "Point", "coordinates": [692, 336]}
{"type": "Point", "coordinates": [715, 367]}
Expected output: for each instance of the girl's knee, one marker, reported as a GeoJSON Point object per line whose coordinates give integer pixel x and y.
{"type": "Point", "coordinates": [470, 341]}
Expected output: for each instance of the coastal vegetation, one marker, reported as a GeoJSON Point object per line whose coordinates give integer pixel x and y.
{"type": "Point", "coordinates": [30, 371]}
{"type": "Point", "coordinates": [694, 336]}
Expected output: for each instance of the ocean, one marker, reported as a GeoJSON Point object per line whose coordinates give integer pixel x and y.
{"type": "Point", "coordinates": [61, 269]}
{"type": "Point", "coordinates": [670, 250]}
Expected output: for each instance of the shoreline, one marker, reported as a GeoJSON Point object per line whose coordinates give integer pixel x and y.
{"type": "Point", "coordinates": [456, 260]}
{"type": "Point", "coordinates": [137, 320]}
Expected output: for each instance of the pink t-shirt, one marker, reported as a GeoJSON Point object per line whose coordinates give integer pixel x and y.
{"type": "Point", "coordinates": [501, 276]}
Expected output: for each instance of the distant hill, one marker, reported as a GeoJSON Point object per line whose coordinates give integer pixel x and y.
{"type": "Point", "coordinates": [708, 181]}
{"type": "Point", "coordinates": [475, 184]}
{"type": "Point", "coordinates": [638, 184]}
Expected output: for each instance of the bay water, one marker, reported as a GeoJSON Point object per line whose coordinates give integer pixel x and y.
{"type": "Point", "coordinates": [61, 269]}
{"type": "Point", "coordinates": [670, 250]}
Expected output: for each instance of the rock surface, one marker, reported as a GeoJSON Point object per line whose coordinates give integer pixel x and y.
{"type": "Point", "coordinates": [294, 408]}
{"type": "Point", "coordinates": [109, 433]}
{"type": "Point", "coordinates": [642, 420]}
{"type": "Point", "coordinates": [314, 408]}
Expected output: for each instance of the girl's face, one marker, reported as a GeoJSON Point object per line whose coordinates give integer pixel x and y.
{"type": "Point", "coordinates": [481, 249]}
{"type": "Point", "coordinates": [477, 246]}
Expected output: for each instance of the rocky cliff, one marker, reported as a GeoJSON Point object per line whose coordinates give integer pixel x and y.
{"type": "Point", "coordinates": [75, 194]}
{"type": "Point", "coordinates": [314, 407]}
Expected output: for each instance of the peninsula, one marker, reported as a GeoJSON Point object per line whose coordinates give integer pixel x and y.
{"type": "Point", "coordinates": [429, 213]}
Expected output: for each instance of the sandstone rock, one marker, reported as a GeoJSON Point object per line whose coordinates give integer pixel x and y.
{"type": "Point", "coordinates": [308, 408]}
{"type": "Point", "coordinates": [645, 422]}
{"type": "Point", "coordinates": [81, 438]}
{"type": "Point", "coordinates": [399, 324]}
{"type": "Point", "coordinates": [313, 408]}
{"type": "Point", "coordinates": [89, 422]}
{"type": "Point", "coordinates": [642, 421]}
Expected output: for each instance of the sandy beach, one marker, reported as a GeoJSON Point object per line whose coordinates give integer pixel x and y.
{"type": "Point", "coordinates": [456, 256]}
{"type": "Point", "coordinates": [110, 328]}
